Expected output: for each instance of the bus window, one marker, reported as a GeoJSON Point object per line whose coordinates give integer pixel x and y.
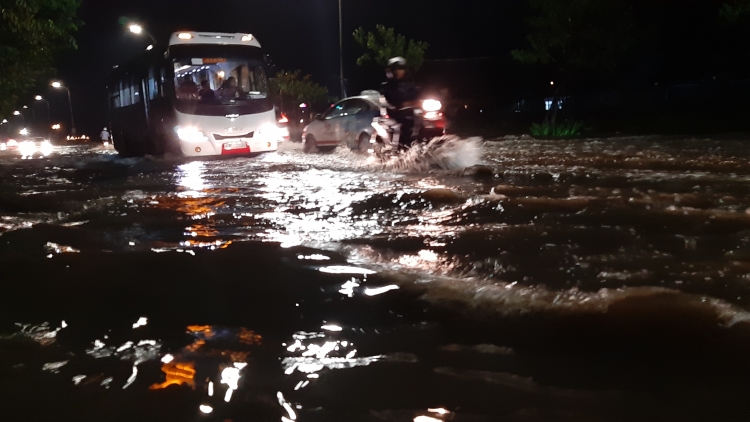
{"type": "Point", "coordinates": [153, 89]}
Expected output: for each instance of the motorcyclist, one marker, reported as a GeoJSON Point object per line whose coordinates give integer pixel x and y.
{"type": "Point", "coordinates": [401, 96]}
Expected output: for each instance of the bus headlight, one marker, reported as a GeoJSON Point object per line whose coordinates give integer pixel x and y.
{"type": "Point", "coordinates": [269, 131]}
{"type": "Point", "coordinates": [190, 134]}
{"type": "Point", "coordinates": [431, 105]}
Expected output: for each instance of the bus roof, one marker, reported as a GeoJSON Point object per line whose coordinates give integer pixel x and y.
{"type": "Point", "coordinates": [221, 38]}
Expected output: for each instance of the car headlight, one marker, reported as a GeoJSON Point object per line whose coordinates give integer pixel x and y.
{"type": "Point", "coordinates": [190, 134]}
{"type": "Point", "coordinates": [27, 148]}
{"type": "Point", "coordinates": [431, 105]}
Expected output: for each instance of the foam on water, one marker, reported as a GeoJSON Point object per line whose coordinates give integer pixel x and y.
{"type": "Point", "coordinates": [443, 153]}
{"type": "Point", "coordinates": [486, 299]}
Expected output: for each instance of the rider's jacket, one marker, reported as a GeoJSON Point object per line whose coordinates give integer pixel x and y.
{"type": "Point", "coordinates": [399, 92]}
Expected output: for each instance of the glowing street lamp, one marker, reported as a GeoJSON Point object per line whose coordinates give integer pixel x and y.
{"type": "Point", "coordinates": [138, 30]}
{"type": "Point", "coordinates": [58, 85]}
{"type": "Point", "coordinates": [16, 113]}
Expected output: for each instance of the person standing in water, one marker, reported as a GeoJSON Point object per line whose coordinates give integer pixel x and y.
{"type": "Point", "coordinates": [105, 136]}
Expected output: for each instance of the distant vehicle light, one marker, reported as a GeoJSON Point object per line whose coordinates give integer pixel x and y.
{"type": "Point", "coordinates": [24, 131]}
{"type": "Point", "coordinates": [184, 36]}
{"type": "Point", "coordinates": [27, 148]}
{"type": "Point", "coordinates": [12, 143]}
{"type": "Point", "coordinates": [431, 115]}
{"type": "Point", "coordinates": [431, 105]}
{"type": "Point", "coordinates": [247, 38]}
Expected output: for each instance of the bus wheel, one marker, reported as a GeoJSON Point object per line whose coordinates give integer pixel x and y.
{"type": "Point", "coordinates": [309, 145]}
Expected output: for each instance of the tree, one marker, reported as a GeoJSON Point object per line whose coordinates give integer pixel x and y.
{"type": "Point", "coordinates": [31, 33]}
{"type": "Point", "coordinates": [576, 34]}
{"type": "Point", "coordinates": [291, 88]}
{"type": "Point", "coordinates": [384, 43]}
{"type": "Point", "coordinates": [732, 11]}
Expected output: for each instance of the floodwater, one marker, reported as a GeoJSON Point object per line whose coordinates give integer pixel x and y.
{"type": "Point", "coordinates": [507, 280]}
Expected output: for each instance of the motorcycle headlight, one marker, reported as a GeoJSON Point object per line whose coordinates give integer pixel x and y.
{"type": "Point", "coordinates": [431, 105]}
{"type": "Point", "coordinates": [190, 134]}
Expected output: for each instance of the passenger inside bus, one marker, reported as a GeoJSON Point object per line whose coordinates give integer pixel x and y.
{"type": "Point", "coordinates": [230, 90]}
{"type": "Point", "coordinates": [188, 89]}
{"type": "Point", "coordinates": [206, 93]}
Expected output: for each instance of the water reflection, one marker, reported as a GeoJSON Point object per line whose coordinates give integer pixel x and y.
{"type": "Point", "coordinates": [568, 228]}
{"type": "Point", "coordinates": [290, 413]}
{"type": "Point", "coordinates": [42, 333]}
{"type": "Point", "coordinates": [316, 351]}
{"type": "Point", "coordinates": [190, 177]}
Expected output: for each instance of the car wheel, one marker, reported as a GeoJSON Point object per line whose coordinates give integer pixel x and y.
{"type": "Point", "coordinates": [363, 142]}
{"type": "Point", "coordinates": [309, 144]}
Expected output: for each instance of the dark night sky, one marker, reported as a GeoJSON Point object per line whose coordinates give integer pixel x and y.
{"type": "Point", "coordinates": [688, 41]}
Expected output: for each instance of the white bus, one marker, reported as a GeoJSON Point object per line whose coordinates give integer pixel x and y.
{"type": "Point", "coordinates": [206, 95]}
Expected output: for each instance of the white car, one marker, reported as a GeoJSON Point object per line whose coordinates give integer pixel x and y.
{"type": "Point", "coordinates": [348, 122]}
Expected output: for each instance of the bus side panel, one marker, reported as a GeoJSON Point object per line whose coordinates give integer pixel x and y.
{"type": "Point", "coordinates": [162, 121]}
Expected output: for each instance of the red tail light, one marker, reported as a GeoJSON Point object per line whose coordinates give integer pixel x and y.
{"type": "Point", "coordinates": [283, 118]}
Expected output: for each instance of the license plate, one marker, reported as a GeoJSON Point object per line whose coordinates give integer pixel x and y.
{"type": "Point", "coordinates": [235, 145]}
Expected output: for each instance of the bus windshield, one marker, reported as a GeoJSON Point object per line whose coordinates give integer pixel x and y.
{"type": "Point", "coordinates": [220, 80]}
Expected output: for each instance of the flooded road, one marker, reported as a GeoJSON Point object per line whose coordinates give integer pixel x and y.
{"type": "Point", "coordinates": [525, 280]}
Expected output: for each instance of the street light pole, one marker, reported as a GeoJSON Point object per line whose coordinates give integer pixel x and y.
{"type": "Point", "coordinates": [23, 118]}
{"type": "Point", "coordinates": [58, 85]}
{"type": "Point", "coordinates": [72, 121]}
{"type": "Point", "coordinates": [138, 29]}
{"type": "Point", "coordinates": [33, 115]}
{"type": "Point", "coordinates": [49, 119]}
{"type": "Point", "coordinates": [341, 54]}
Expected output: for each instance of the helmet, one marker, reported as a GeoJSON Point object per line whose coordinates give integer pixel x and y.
{"type": "Point", "coordinates": [397, 63]}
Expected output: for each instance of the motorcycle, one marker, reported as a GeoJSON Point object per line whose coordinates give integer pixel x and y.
{"type": "Point", "coordinates": [428, 124]}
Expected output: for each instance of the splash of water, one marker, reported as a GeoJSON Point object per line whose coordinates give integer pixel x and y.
{"type": "Point", "coordinates": [442, 153]}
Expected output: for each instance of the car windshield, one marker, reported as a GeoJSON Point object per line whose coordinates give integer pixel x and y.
{"type": "Point", "coordinates": [219, 80]}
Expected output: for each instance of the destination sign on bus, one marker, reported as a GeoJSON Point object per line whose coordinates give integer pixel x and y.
{"type": "Point", "coordinates": [215, 60]}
